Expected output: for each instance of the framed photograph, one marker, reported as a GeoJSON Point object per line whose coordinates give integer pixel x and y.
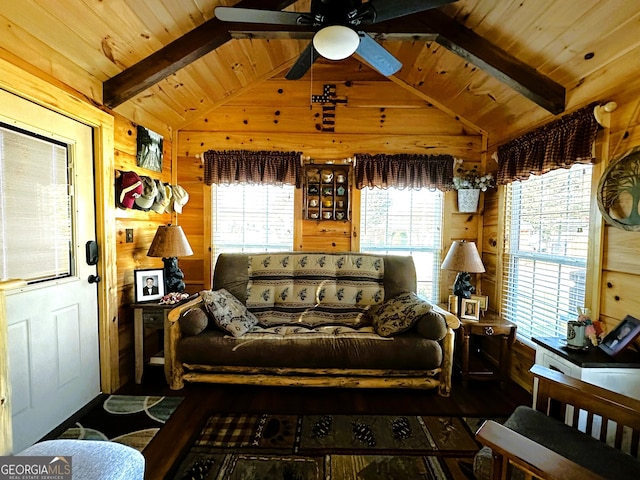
{"type": "Point", "coordinates": [621, 336]}
{"type": "Point", "coordinates": [470, 309]}
{"type": "Point", "coordinates": [149, 284]}
{"type": "Point", "coordinates": [149, 149]}
{"type": "Point", "coordinates": [453, 304]}
{"type": "Point", "coordinates": [484, 301]}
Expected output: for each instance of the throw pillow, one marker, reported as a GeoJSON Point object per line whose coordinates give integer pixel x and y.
{"type": "Point", "coordinates": [228, 312]}
{"type": "Point", "coordinates": [398, 314]}
{"type": "Point", "coordinates": [432, 326]}
{"type": "Point", "coordinates": [193, 322]}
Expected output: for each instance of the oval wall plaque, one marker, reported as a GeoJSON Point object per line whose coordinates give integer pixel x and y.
{"type": "Point", "coordinates": [619, 192]}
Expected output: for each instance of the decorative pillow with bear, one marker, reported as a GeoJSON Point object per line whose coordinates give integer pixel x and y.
{"type": "Point", "coordinates": [193, 322]}
{"type": "Point", "coordinates": [398, 314]}
{"type": "Point", "coordinates": [228, 312]}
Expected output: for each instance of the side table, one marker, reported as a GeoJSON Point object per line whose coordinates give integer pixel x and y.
{"type": "Point", "coordinates": [490, 325]}
{"type": "Point", "coordinates": [147, 316]}
{"type": "Point", "coordinates": [620, 374]}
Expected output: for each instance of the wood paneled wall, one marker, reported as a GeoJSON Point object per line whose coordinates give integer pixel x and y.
{"type": "Point", "coordinates": [616, 259]}
{"type": "Point", "coordinates": [133, 256]}
{"type": "Point", "coordinates": [371, 115]}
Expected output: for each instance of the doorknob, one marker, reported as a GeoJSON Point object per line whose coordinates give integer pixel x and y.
{"type": "Point", "coordinates": [94, 279]}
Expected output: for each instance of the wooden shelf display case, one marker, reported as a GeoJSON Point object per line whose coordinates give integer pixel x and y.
{"type": "Point", "coordinates": [327, 192]}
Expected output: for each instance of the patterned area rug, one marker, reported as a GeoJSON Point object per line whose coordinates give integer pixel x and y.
{"type": "Point", "coordinates": [324, 447]}
{"type": "Point", "coordinates": [131, 420]}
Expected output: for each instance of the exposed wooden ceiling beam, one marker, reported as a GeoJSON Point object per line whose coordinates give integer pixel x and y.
{"type": "Point", "coordinates": [422, 26]}
{"type": "Point", "coordinates": [435, 25]}
{"type": "Point", "coordinates": [178, 54]}
{"type": "Point", "coordinates": [495, 61]}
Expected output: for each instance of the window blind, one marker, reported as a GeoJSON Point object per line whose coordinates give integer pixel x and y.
{"type": "Point", "coordinates": [252, 218]}
{"type": "Point", "coordinates": [35, 207]}
{"type": "Point", "coordinates": [405, 222]}
{"type": "Point", "coordinates": [546, 244]}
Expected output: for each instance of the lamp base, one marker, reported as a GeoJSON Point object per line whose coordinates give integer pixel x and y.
{"type": "Point", "coordinates": [462, 288]}
{"type": "Point", "coordinates": [173, 276]}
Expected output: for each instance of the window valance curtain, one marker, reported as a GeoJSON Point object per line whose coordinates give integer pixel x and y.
{"type": "Point", "coordinates": [242, 166]}
{"type": "Point", "coordinates": [404, 171]}
{"type": "Point", "coordinates": [560, 144]}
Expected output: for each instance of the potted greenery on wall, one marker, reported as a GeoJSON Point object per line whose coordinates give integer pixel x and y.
{"type": "Point", "coordinates": [469, 184]}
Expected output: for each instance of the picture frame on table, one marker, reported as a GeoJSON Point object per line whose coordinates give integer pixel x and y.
{"type": "Point", "coordinates": [149, 284]}
{"type": "Point", "coordinates": [621, 336]}
{"type": "Point", "coordinates": [484, 301]}
{"type": "Point", "coordinates": [470, 309]}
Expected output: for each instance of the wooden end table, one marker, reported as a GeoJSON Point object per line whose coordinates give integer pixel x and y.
{"type": "Point", "coordinates": [491, 325]}
{"type": "Point", "coordinates": [149, 315]}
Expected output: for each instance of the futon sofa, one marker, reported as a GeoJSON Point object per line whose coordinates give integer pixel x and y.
{"type": "Point", "coordinates": [312, 319]}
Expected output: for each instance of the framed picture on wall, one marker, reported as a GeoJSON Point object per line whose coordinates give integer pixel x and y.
{"type": "Point", "coordinates": [470, 309]}
{"type": "Point", "coordinates": [149, 149]}
{"type": "Point", "coordinates": [149, 284]}
{"type": "Point", "coordinates": [621, 336]}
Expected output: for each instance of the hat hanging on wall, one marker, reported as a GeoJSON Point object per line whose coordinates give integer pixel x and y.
{"type": "Point", "coordinates": [180, 199]}
{"type": "Point", "coordinates": [128, 188]}
{"type": "Point", "coordinates": [148, 196]}
{"type": "Point", "coordinates": [160, 202]}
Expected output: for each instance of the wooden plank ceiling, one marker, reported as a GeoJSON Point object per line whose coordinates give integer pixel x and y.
{"type": "Point", "coordinates": [85, 43]}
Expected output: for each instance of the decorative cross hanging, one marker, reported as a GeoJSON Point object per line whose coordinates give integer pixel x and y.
{"type": "Point", "coordinates": [329, 100]}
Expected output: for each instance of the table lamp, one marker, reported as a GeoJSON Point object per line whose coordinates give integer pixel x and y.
{"type": "Point", "coordinates": [170, 243]}
{"type": "Point", "coordinates": [463, 257]}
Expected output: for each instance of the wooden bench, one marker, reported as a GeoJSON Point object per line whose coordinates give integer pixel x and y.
{"type": "Point", "coordinates": [574, 431]}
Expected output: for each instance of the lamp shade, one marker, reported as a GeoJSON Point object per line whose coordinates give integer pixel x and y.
{"type": "Point", "coordinates": [170, 241]}
{"type": "Point", "coordinates": [336, 42]}
{"type": "Point", "coordinates": [463, 257]}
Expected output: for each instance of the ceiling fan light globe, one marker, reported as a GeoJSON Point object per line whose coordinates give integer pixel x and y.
{"type": "Point", "coordinates": [336, 42]}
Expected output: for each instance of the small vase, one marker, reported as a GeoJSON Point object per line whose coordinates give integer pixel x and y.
{"type": "Point", "coordinates": [468, 200]}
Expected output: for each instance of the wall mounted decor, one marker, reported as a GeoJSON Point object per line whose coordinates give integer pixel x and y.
{"type": "Point", "coordinates": [327, 192]}
{"type": "Point", "coordinates": [619, 192]}
{"type": "Point", "coordinates": [149, 149]}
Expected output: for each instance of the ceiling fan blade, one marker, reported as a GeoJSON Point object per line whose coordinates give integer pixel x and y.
{"type": "Point", "coordinates": [251, 15]}
{"type": "Point", "coordinates": [376, 55]}
{"type": "Point", "coordinates": [389, 9]}
{"type": "Point", "coordinates": [303, 64]}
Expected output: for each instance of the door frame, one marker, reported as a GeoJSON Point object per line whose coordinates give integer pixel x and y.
{"type": "Point", "coordinates": [74, 105]}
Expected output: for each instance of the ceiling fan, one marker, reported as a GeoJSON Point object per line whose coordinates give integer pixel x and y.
{"type": "Point", "coordinates": [339, 27]}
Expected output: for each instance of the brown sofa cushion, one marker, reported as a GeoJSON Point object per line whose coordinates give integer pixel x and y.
{"type": "Point", "coordinates": [194, 321]}
{"type": "Point", "coordinates": [431, 325]}
{"type": "Point", "coordinates": [408, 351]}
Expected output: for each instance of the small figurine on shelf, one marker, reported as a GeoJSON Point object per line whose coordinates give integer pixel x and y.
{"type": "Point", "coordinates": [593, 331]}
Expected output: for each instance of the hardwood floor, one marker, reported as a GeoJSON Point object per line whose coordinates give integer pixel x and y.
{"type": "Point", "coordinates": [478, 399]}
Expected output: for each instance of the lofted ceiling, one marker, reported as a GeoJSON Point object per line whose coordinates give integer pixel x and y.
{"type": "Point", "coordinates": [172, 62]}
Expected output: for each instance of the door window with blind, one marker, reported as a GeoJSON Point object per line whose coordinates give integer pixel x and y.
{"type": "Point", "coordinates": [546, 244]}
{"type": "Point", "coordinates": [35, 207]}
{"type": "Point", "coordinates": [405, 222]}
{"type": "Point", "coordinates": [251, 218]}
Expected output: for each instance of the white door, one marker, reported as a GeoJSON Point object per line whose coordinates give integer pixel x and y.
{"type": "Point", "coordinates": [52, 322]}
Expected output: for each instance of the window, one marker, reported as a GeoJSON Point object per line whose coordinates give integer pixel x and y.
{"type": "Point", "coordinates": [547, 236]}
{"type": "Point", "coordinates": [405, 222]}
{"type": "Point", "coordinates": [251, 218]}
{"type": "Point", "coordinates": [35, 207]}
